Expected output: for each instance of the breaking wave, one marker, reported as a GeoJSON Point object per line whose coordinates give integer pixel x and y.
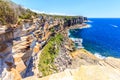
{"type": "Point", "coordinates": [99, 56]}
{"type": "Point", "coordinates": [114, 26]}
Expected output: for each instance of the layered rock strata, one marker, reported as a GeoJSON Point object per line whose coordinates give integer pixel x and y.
{"type": "Point", "coordinates": [21, 43]}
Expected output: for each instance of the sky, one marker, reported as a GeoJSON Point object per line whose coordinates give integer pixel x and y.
{"type": "Point", "coordinates": [88, 8]}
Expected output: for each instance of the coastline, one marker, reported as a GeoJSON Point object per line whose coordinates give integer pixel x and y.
{"type": "Point", "coordinates": [64, 58]}
{"type": "Point", "coordinates": [84, 57]}
{"type": "Point", "coordinates": [80, 57]}
{"type": "Point", "coordinates": [82, 26]}
{"type": "Point", "coordinates": [84, 62]}
{"type": "Point", "coordinates": [78, 26]}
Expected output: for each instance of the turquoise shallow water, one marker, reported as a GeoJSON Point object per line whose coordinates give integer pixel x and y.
{"type": "Point", "coordinates": [103, 37]}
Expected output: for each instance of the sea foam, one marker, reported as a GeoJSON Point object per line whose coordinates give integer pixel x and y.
{"type": "Point", "coordinates": [90, 21]}
{"type": "Point", "coordinates": [114, 26]}
{"type": "Point", "coordinates": [99, 56]}
{"type": "Point", "coordinates": [86, 26]}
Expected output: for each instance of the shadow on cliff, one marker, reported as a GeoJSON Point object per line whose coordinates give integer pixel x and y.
{"type": "Point", "coordinates": [6, 57]}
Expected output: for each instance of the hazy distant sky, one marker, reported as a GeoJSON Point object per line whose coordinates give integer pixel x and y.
{"type": "Point", "coordinates": [89, 8]}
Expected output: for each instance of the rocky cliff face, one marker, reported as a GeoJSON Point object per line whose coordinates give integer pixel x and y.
{"type": "Point", "coordinates": [20, 43]}
{"type": "Point", "coordinates": [16, 49]}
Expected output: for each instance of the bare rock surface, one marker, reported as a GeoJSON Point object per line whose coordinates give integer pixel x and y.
{"type": "Point", "coordinates": [91, 72]}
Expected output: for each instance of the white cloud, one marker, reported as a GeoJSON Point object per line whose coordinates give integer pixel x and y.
{"type": "Point", "coordinates": [37, 11]}
{"type": "Point", "coordinates": [51, 13]}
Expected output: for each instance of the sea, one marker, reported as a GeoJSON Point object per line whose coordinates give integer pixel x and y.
{"type": "Point", "coordinates": [102, 37]}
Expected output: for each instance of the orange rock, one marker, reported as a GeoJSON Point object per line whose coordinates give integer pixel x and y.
{"type": "Point", "coordinates": [36, 48]}
{"type": "Point", "coordinates": [16, 74]}
{"type": "Point", "coordinates": [20, 66]}
{"type": "Point", "coordinates": [47, 36]}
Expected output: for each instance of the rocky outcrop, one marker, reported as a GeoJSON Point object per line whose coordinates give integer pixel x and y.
{"type": "Point", "coordinates": [103, 69]}
{"type": "Point", "coordinates": [63, 60]}
{"type": "Point", "coordinates": [83, 57]}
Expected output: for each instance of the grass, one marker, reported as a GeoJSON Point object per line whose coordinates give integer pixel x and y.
{"type": "Point", "coordinates": [48, 55]}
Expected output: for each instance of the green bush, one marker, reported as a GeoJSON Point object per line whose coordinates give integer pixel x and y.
{"type": "Point", "coordinates": [48, 55]}
{"type": "Point", "coordinates": [25, 16]}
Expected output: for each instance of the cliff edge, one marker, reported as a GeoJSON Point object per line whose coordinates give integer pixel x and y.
{"type": "Point", "coordinates": [107, 69]}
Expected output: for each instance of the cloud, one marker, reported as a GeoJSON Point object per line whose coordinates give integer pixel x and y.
{"type": "Point", "coordinates": [37, 11]}
{"type": "Point", "coordinates": [51, 13]}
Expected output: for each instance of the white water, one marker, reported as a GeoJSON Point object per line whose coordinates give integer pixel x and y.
{"type": "Point", "coordinates": [87, 26]}
{"type": "Point", "coordinates": [114, 26]}
{"type": "Point", "coordinates": [90, 21]}
{"type": "Point", "coordinates": [77, 39]}
{"type": "Point", "coordinates": [99, 56]}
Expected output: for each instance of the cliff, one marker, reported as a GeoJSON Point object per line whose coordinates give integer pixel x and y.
{"type": "Point", "coordinates": [36, 46]}
{"type": "Point", "coordinates": [20, 43]}
{"type": "Point", "coordinates": [86, 69]}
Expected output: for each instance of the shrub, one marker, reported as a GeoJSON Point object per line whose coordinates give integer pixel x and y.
{"type": "Point", "coordinates": [48, 55]}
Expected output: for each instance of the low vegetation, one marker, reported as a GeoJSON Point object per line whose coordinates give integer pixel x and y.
{"type": "Point", "coordinates": [28, 14]}
{"type": "Point", "coordinates": [10, 12]}
{"type": "Point", "coordinates": [7, 14]}
{"type": "Point", "coordinates": [48, 55]}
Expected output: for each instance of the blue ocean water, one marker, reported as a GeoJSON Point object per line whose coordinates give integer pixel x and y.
{"type": "Point", "coordinates": [102, 37]}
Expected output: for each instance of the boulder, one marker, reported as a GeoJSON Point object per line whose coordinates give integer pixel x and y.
{"type": "Point", "coordinates": [36, 48]}
{"type": "Point", "coordinates": [19, 64]}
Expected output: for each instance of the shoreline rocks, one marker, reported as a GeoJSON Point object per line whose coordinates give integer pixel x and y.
{"type": "Point", "coordinates": [82, 57]}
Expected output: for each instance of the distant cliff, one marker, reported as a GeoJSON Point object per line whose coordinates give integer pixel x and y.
{"type": "Point", "coordinates": [12, 13]}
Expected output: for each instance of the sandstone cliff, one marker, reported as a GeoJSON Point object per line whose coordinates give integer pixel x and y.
{"type": "Point", "coordinates": [86, 69]}
{"type": "Point", "coordinates": [20, 43]}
